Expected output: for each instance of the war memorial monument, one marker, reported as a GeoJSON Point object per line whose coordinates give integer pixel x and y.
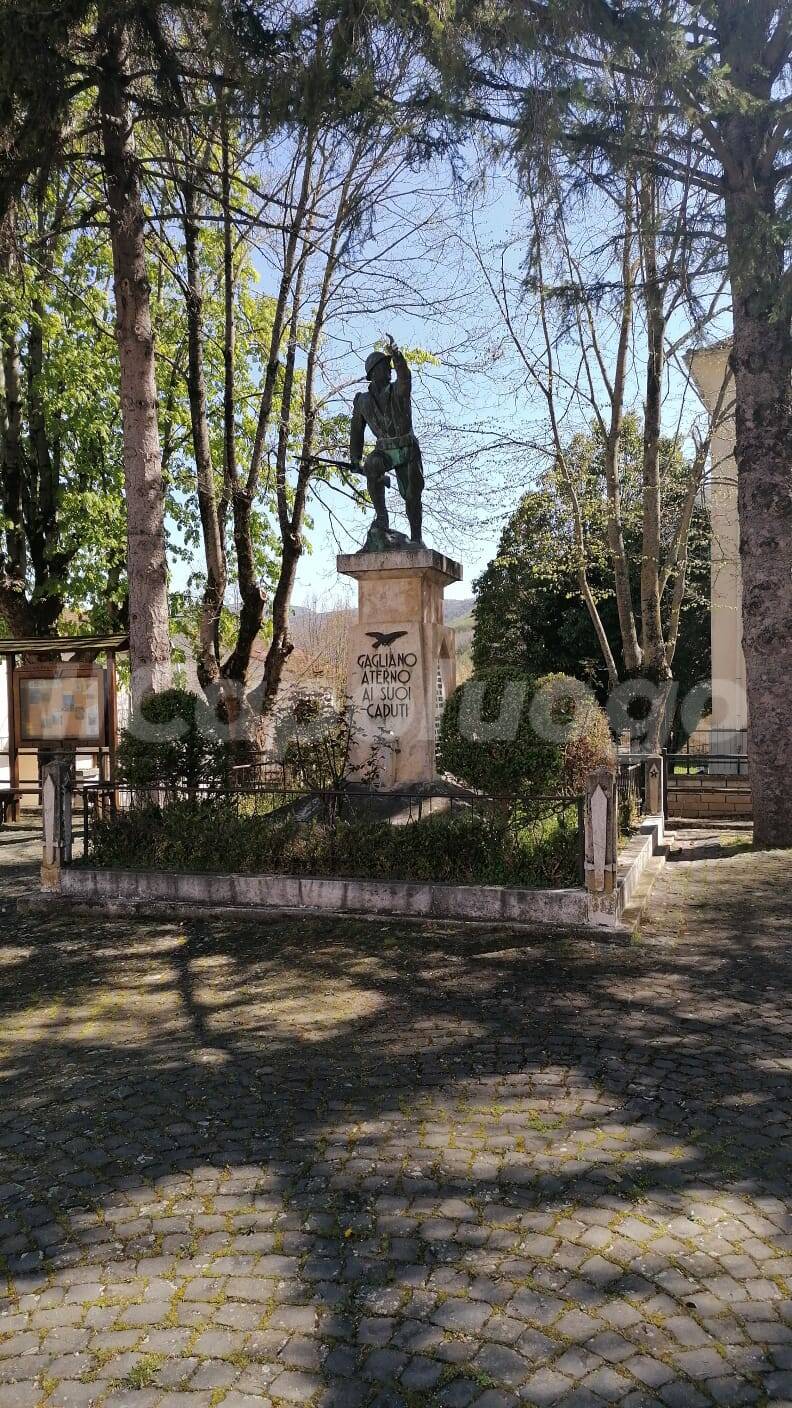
{"type": "Point", "coordinates": [401, 666]}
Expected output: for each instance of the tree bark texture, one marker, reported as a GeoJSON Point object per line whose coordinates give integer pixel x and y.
{"type": "Point", "coordinates": [652, 641]}
{"type": "Point", "coordinates": [144, 486]}
{"type": "Point", "coordinates": [762, 365]}
{"type": "Point", "coordinates": [214, 591]}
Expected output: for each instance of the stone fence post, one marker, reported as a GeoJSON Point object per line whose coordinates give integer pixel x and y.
{"type": "Point", "coordinates": [56, 797]}
{"type": "Point", "coordinates": [602, 831]}
{"type": "Point", "coordinates": [654, 804]}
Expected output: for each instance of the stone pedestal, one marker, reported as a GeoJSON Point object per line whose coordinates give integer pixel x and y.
{"type": "Point", "coordinates": [402, 663]}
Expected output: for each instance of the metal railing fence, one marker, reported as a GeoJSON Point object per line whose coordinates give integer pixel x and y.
{"type": "Point", "coordinates": [631, 792]}
{"type": "Point", "coordinates": [706, 764]}
{"type": "Point", "coordinates": [514, 816]}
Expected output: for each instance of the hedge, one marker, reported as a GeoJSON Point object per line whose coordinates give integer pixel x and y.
{"type": "Point", "coordinates": [452, 848]}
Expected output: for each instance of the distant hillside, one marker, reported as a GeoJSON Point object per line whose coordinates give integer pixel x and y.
{"type": "Point", "coordinates": [321, 640]}
{"type": "Point", "coordinates": [458, 614]}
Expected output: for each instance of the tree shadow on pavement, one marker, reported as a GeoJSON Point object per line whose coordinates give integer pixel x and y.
{"type": "Point", "coordinates": [358, 1164]}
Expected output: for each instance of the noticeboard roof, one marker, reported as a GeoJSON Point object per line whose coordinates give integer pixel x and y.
{"type": "Point", "coordinates": [45, 645]}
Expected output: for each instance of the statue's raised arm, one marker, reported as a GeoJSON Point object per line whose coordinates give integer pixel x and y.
{"type": "Point", "coordinates": [403, 373]}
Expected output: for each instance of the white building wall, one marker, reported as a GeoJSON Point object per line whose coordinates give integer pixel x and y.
{"type": "Point", "coordinates": [729, 697]}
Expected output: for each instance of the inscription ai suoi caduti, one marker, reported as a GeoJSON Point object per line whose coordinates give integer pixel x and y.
{"type": "Point", "coordinates": [386, 679]}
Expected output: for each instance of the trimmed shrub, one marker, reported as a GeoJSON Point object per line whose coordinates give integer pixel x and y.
{"type": "Point", "coordinates": [507, 733]}
{"type": "Point", "coordinates": [172, 745]}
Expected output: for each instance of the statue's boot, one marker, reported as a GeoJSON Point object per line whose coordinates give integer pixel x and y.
{"type": "Point", "coordinates": [415, 519]}
{"type": "Point", "coordinates": [376, 488]}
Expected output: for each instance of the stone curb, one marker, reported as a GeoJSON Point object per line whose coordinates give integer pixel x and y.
{"type": "Point", "coordinates": [607, 918]}
{"type": "Point", "coordinates": [314, 894]}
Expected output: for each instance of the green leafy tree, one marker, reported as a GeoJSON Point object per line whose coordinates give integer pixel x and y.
{"type": "Point", "coordinates": [529, 610]}
{"type": "Point", "coordinates": [62, 530]}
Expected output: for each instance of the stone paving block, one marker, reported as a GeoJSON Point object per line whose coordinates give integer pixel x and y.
{"type": "Point", "coordinates": [580, 1398]}
{"type": "Point", "coordinates": [186, 1399]}
{"type": "Point", "coordinates": [421, 1373]}
{"type": "Point", "coordinates": [214, 1373]}
{"type": "Point", "coordinates": [494, 1398]}
{"type": "Point", "coordinates": [245, 1400]}
{"type": "Point", "coordinates": [576, 1325]}
{"type": "Point", "coordinates": [577, 1362]}
{"type": "Point", "coordinates": [778, 1385]}
{"type": "Point", "coordinates": [462, 1315]}
{"type": "Point", "coordinates": [174, 1373]}
{"type": "Point", "coordinates": [218, 1344]}
{"type": "Point", "coordinates": [133, 1398]}
{"type": "Point", "coordinates": [607, 1383]}
{"type": "Point", "coordinates": [611, 1346]}
{"type": "Point", "coordinates": [19, 1395]}
{"type": "Point", "coordinates": [732, 1392]}
{"type": "Point", "coordinates": [295, 1387]}
{"type": "Point", "coordinates": [341, 1360]}
{"type": "Point", "coordinates": [23, 1343]}
{"type": "Point", "coordinates": [536, 1347]}
{"type": "Point", "coordinates": [650, 1371]}
{"type": "Point", "coordinates": [683, 1395]}
{"type": "Point", "coordinates": [546, 1386]}
{"type": "Point", "coordinates": [302, 1352]}
{"type": "Point", "coordinates": [503, 1364]}
{"type": "Point", "coordinates": [539, 1309]}
{"type": "Point", "coordinates": [294, 1317]}
{"type": "Point", "coordinates": [458, 1394]}
{"type": "Point", "coordinates": [704, 1363]}
{"type": "Point", "coordinates": [72, 1393]}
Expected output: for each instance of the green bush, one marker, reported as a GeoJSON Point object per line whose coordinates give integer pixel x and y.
{"type": "Point", "coordinates": [507, 733]}
{"type": "Point", "coordinates": [454, 848]}
{"type": "Point", "coordinates": [172, 745]}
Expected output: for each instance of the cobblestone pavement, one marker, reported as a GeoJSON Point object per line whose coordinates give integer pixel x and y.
{"type": "Point", "coordinates": [358, 1164]}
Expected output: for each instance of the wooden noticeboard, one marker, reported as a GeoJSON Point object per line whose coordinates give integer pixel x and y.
{"type": "Point", "coordinates": [61, 703]}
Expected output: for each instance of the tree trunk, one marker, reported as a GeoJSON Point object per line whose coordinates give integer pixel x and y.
{"type": "Point", "coordinates": [145, 495]}
{"type": "Point", "coordinates": [40, 497]}
{"type": "Point", "coordinates": [281, 646]}
{"type": "Point", "coordinates": [253, 601]}
{"type": "Point", "coordinates": [214, 591]}
{"type": "Point", "coordinates": [14, 605]}
{"type": "Point", "coordinates": [242, 498]}
{"type": "Point", "coordinates": [756, 237]}
{"type": "Point", "coordinates": [631, 649]}
{"type": "Point", "coordinates": [229, 334]}
{"type": "Point", "coordinates": [652, 642]}
{"type": "Point", "coordinates": [16, 550]}
{"type": "Point", "coordinates": [762, 365]}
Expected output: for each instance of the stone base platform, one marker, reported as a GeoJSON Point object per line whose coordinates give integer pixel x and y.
{"type": "Point", "coordinates": [402, 661]}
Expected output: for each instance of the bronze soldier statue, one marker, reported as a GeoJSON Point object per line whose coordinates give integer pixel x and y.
{"type": "Point", "coordinates": [386, 408]}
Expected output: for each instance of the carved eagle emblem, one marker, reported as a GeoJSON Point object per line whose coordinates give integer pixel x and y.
{"type": "Point", "coordinates": [382, 638]}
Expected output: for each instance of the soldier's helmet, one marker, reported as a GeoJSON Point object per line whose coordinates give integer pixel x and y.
{"type": "Point", "coordinates": [374, 359]}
